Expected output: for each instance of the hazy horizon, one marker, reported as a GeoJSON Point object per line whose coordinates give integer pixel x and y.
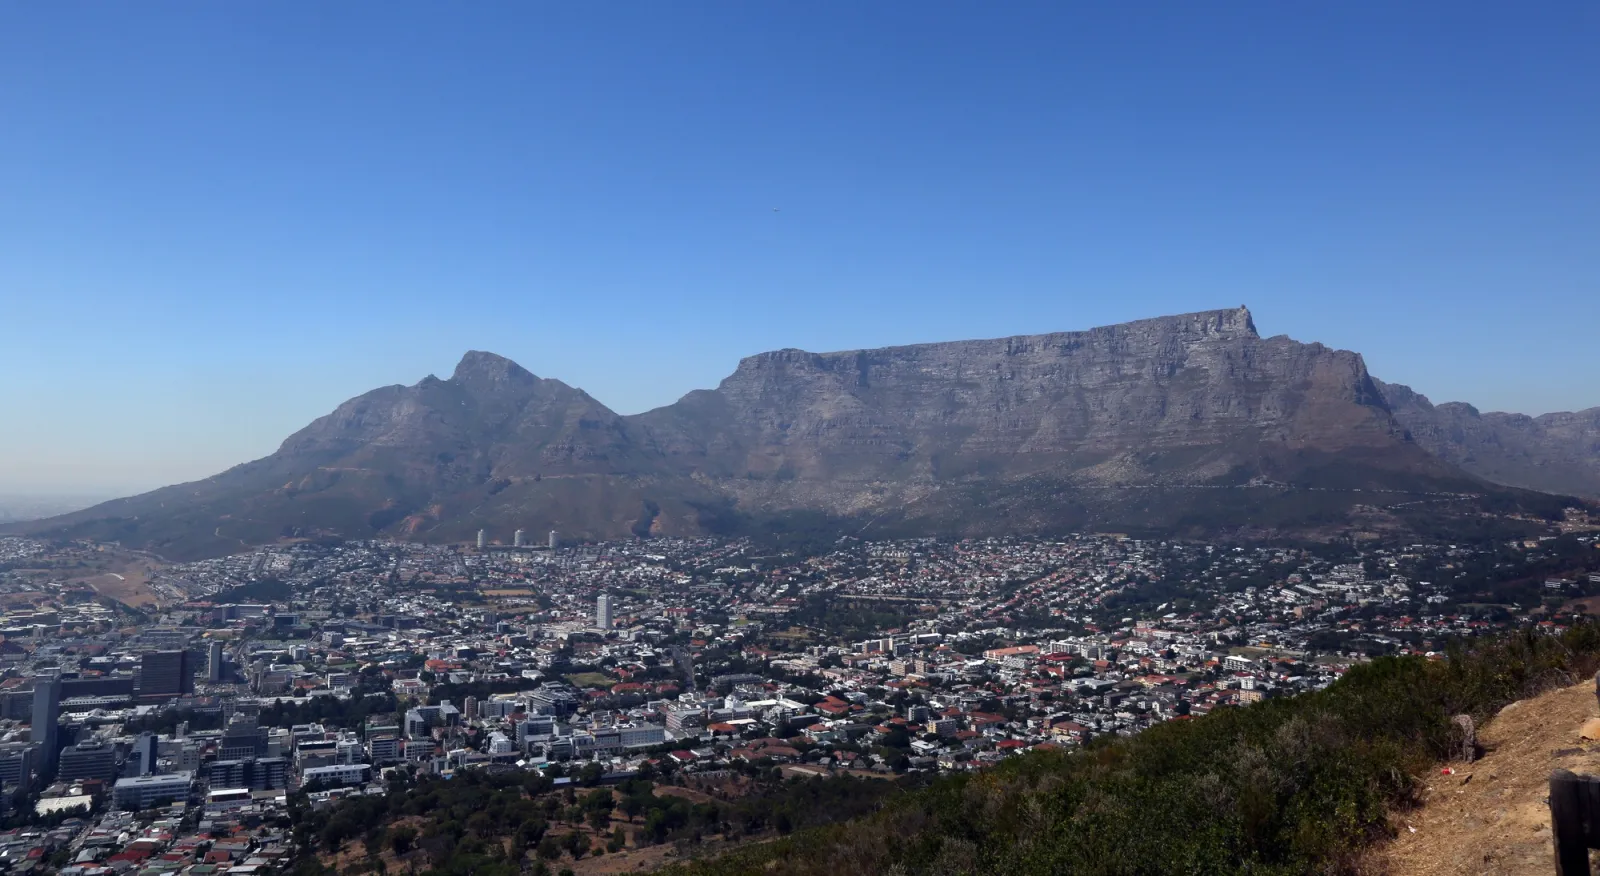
{"type": "Point", "coordinates": [219, 221]}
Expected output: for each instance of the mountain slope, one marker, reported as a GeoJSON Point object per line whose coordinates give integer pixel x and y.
{"type": "Point", "coordinates": [1555, 453]}
{"type": "Point", "coordinates": [1185, 424]}
{"type": "Point", "coordinates": [436, 460]}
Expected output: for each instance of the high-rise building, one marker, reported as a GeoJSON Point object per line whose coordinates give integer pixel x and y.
{"type": "Point", "coordinates": [46, 715]}
{"type": "Point", "coordinates": [483, 539]}
{"type": "Point", "coordinates": [243, 739]}
{"type": "Point", "coordinates": [144, 748]}
{"type": "Point", "coordinates": [89, 759]}
{"type": "Point", "coordinates": [17, 761]}
{"type": "Point", "coordinates": [214, 662]}
{"type": "Point", "coordinates": [553, 539]}
{"type": "Point", "coordinates": [164, 675]}
{"type": "Point", "coordinates": [516, 538]}
{"type": "Point", "coordinates": [602, 612]}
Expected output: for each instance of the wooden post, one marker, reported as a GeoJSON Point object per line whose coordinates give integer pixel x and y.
{"type": "Point", "coordinates": [1567, 824]}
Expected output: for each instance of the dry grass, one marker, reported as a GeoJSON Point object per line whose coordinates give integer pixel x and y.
{"type": "Point", "coordinates": [689, 794]}
{"type": "Point", "coordinates": [628, 860]}
{"type": "Point", "coordinates": [1492, 816]}
{"type": "Point", "coordinates": [128, 585]}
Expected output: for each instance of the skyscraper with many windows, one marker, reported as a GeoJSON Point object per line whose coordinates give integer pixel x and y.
{"type": "Point", "coordinates": [44, 729]}
{"type": "Point", "coordinates": [602, 612]}
{"type": "Point", "coordinates": [164, 675]}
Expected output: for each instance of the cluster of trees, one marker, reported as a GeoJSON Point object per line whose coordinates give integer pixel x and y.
{"type": "Point", "coordinates": [1298, 785]}
{"type": "Point", "coordinates": [491, 823]}
{"type": "Point", "coordinates": [329, 710]}
{"type": "Point", "coordinates": [167, 721]}
{"type": "Point", "coordinates": [852, 619]}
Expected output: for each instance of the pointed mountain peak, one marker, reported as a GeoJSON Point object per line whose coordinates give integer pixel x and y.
{"type": "Point", "coordinates": [1243, 320]}
{"type": "Point", "coordinates": [478, 368]}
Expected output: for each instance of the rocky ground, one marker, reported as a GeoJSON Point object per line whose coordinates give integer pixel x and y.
{"type": "Point", "coordinates": [1492, 816]}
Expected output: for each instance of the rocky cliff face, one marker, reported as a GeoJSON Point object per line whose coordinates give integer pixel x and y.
{"type": "Point", "coordinates": [1184, 400]}
{"type": "Point", "coordinates": [1179, 424]}
{"type": "Point", "coordinates": [1556, 453]}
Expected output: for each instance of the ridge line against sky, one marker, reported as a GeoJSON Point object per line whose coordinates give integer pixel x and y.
{"type": "Point", "coordinates": [219, 221]}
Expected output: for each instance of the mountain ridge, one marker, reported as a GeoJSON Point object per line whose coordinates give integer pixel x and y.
{"type": "Point", "coordinates": [1553, 452]}
{"type": "Point", "coordinates": [1183, 423]}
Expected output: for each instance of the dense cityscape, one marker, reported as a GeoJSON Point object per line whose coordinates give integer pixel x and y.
{"type": "Point", "coordinates": [186, 719]}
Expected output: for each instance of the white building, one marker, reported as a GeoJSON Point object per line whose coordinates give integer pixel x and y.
{"type": "Point", "coordinates": [337, 774]}
{"type": "Point", "coordinates": [602, 612]}
{"type": "Point", "coordinates": [141, 792]}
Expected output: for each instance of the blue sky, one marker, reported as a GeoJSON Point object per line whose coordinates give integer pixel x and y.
{"type": "Point", "coordinates": [219, 220]}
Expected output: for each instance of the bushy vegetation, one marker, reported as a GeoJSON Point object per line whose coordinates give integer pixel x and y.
{"type": "Point", "coordinates": [489, 824]}
{"type": "Point", "coordinates": [1298, 785]}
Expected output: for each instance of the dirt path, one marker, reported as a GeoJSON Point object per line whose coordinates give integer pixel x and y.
{"type": "Point", "coordinates": [1492, 816]}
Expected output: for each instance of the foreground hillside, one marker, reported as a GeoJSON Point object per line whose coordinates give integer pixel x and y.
{"type": "Point", "coordinates": [1491, 816]}
{"type": "Point", "coordinates": [1303, 785]}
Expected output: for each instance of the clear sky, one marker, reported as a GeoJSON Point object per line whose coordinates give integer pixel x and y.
{"type": "Point", "coordinates": [220, 219]}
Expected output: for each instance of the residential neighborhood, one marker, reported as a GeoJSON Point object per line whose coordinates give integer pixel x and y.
{"type": "Point", "coordinates": [183, 736]}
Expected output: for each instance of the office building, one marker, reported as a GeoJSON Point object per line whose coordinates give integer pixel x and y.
{"type": "Point", "coordinates": [89, 759]}
{"type": "Point", "coordinates": [243, 739]}
{"type": "Point", "coordinates": [483, 539]}
{"type": "Point", "coordinates": [98, 686]}
{"type": "Point", "coordinates": [43, 728]}
{"type": "Point", "coordinates": [337, 775]}
{"type": "Point", "coordinates": [16, 764]}
{"type": "Point", "coordinates": [642, 736]}
{"type": "Point", "coordinates": [602, 612]}
{"type": "Point", "coordinates": [257, 774]}
{"type": "Point", "coordinates": [553, 539]}
{"type": "Point", "coordinates": [384, 749]}
{"type": "Point", "coordinates": [164, 675]}
{"type": "Point", "coordinates": [516, 538]}
{"type": "Point", "coordinates": [143, 792]}
{"type": "Point", "coordinates": [143, 757]}
{"type": "Point", "coordinates": [214, 662]}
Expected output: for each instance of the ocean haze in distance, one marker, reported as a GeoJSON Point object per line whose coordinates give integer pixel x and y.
{"type": "Point", "coordinates": [216, 224]}
{"type": "Point", "coordinates": [15, 508]}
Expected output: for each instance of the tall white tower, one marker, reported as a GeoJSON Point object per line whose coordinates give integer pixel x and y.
{"type": "Point", "coordinates": [553, 539]}
{"type": "Point", "coordinates": [483, 539]}
{"type": "Point", "coordinates": [602, 612]}
{"type": "Point", "coordinates": [516, 538]}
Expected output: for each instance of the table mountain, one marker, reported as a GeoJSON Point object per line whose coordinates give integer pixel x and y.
{"type": "Point", "coordinates": [1183, 424]}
